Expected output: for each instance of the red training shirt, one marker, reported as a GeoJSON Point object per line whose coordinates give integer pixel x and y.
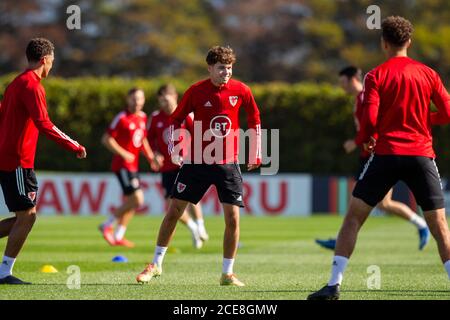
{"type": "Point", "coordinates": [217, 110]}
{"type": "Point", "coordinates": [397, 96]}
{"type": "Point", "coordinates": [23, 114]}
{"type": "Point", "coordinates": [158, 136]}
{"type": "Point", "coordinates": [128, 129]}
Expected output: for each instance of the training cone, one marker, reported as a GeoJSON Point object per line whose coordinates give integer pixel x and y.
{"type": "Point", "coordinates": [119, 259]}
{"type": "Point", "coordinates": [48, 269]}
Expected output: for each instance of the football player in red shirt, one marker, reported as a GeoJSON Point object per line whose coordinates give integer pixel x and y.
{"type": "Point", "coordinates": [350, 80]}
{"type": "Point", "coordinates": [23, 114]}
{"type": "Point", "coordinates": [396, 103]}
{"type": "Point", "coordinates": [126, 139]}
{"type": "Point", "coordinates": [215, 103]}
{"type": "Point", "coordinates": [158, 135]}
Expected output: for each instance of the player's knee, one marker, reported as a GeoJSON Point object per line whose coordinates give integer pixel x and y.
{"type": "Point", "coordinates": [27, 217]}
{"type": "Point", "coordinates": [137, 199]}
{"type": "Point", "coordinates": [353, 220]}
{"type": "Point", "coordinates": [176, 209]}
{"type": "Point", "coordinates": [33, 218]}
{"type": "Point", "coordinates": [174, 213]}
{"type": "Point", "coordinates": [384, 205]}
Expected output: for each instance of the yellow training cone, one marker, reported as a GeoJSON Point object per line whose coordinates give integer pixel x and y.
{"type": "Point", "coordinates": [48, 269]}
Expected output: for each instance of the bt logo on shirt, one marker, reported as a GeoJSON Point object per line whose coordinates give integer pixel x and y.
{"type": "Point", "coordinates": [138, 136]}
{"type": "Point", "coordinates": [220, 126]}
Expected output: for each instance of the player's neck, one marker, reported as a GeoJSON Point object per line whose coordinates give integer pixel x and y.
{"type": "Point", "coordinates": [357, 88]}
{"type": "Point", "coordinates": [37, 69]}
{"type": "Point", "coordinates": [218, 85]}
{"type": "Point", "coordinates": [397, 53]}
{"type": "Point", "coordinates": [131, 111]}
{"type": "Point", "coordinates": [168, 112]}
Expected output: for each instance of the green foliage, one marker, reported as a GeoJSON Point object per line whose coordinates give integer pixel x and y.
{"type": "Point", "coordinates": [314, 121]}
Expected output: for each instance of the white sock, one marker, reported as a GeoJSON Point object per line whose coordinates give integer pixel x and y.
{"type": "Point", "coordinates": [109, 221]}
{"type": "Point", "coordinates": [120, 232]}
{"type": "Point", "coordinates": [418, 221]}
{"type": "Point", "coordinates": [447, 268]}
{"type": "Point", "coordinates": [6, 266]}
{"type": "Point", "coordinates": [192, 226]}
{"type": "Point", "coordinates": [200, 223]}
{"type": "Point", "coordinates": [227, 266]}
{"type": "Point", "coordinates": [159, 255]}
{"type": "Point", "coordinates": [337, 270]}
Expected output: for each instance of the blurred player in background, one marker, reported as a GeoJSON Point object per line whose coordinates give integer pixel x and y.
{"type": "Point", "coordinates": [158, 135]}
{"type": "Point", "coordinates": [215, 102]}
{"type": "Point", "coordinates": [396, 101]}
{"type": "Point", "coordinates": [23, 114]}
{"type": "Point", "coordinates": [126, 139]}
{"type": "Point", "coordinates": [350, 79]}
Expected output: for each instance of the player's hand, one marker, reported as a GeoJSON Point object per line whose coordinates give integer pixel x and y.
{"type": "Point", "coordinates": [176, 159]}
{"type": "Point", "coordinates": [81, 154]}
{"type": "Point", "coordinates": [128, 156]}
{"type": "Point", "coordinates": [252, 166]}
{"type": "Point", "coordinates": [159, 158]}
{"type": "Point", "coordinates": [370, 146]}
{"type": "Point", "coordinates": [349, 146]}
{"type": "Point", "coordinates": [155, 164]}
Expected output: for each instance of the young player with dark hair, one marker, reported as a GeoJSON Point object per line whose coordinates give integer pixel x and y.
{"type": "Point", "coordinates": [126, 139]}
{"type": "Point", "coordinates": [397, 97]}
{"type": "Point", "coordinates": [158, 137]}
{"type": "Point", "coordinates": [350, 79]}
{"type": "Point", "coordinates": [215, 103]}
{"type": "Point", "coordinates": [23, 114]}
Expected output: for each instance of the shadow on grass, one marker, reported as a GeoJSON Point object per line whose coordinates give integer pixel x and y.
{"type": "Point", "coordinates": [388, 292]}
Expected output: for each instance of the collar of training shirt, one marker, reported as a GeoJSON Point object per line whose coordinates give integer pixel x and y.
{"type": "Point", "coordinates": [221, 87]}
{"type": "Point", "coordinates": [128, 113]}
{"type": "Point", "coordinates": [33, 74]}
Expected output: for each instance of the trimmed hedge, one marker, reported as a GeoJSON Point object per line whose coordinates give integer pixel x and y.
{"type": "Point", "coordinates": [314, 121]}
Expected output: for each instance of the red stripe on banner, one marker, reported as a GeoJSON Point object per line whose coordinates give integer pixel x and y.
{"type": "Point", "coordinates": [333, 195]}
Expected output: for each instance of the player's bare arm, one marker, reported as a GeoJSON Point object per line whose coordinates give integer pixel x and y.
{"type": "Point", "coordinates": [111, 144]}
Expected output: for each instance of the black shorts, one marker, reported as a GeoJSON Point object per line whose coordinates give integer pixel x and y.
{"type": "Point", "coordinates": [129, 181]}
{"type": "Point", "coordinates": [19, 189]}
{"type": "Point", "coordinates": [168, 180]}
{"type": "Point", "coordinates": [194, 180]}
{"type": "Point", "coordinates": [382, 172]}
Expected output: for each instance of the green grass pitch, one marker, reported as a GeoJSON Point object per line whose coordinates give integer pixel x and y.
{"type": "Point", "coordinates": [278, 259]}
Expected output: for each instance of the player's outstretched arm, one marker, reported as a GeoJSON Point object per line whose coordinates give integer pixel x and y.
{"type": "Point", "coordinates": [34, 100]}
{"type": "Point", "coordinates": [150, 155]}
{"type": "Point", "coordinates": [82, 153]}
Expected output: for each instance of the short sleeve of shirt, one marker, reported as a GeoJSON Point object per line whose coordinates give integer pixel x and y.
{"type": "Point", "coordinates": [114, 127]}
